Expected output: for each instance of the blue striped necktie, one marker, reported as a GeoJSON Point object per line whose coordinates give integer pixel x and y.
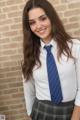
{"type": "Point", "coordinates": [53, 77]}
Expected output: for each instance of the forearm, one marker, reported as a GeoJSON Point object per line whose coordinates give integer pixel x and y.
{"type": "Point", "coordinates": [29, 94]}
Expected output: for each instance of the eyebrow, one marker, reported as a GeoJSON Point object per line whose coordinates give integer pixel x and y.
{"type": "Point", "coordinates": [38, 17]}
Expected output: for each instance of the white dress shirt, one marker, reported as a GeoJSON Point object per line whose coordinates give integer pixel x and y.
{"type": "Point", "coordinates": [69, 73]}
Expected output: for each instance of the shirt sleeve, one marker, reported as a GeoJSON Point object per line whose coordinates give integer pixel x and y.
{"type": "Point", "coordinates": [77, 100]}
{"type": "Point", "coordinates": [29, 94]}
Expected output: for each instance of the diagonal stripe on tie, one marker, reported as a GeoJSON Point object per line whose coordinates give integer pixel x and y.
{"type": "Point", "coordinates": [53, 77]}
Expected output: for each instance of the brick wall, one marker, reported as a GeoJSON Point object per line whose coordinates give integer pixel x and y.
{"type": "Point", "coordinates": [11, 91]}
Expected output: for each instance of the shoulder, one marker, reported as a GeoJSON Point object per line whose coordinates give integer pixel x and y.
{"type": "Point", "coordinates": [76, 47]}
{"type": "Point", "coordinates": [76, 41]}
{"type": "Point", "coordinates": [76, 44]}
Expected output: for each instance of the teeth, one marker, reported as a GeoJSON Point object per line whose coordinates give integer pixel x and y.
{"type": "Point", "coordinates": [41, 31]}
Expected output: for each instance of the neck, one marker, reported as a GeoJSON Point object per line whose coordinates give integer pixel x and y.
{"type": "Point", "coordinates": [47, 41]}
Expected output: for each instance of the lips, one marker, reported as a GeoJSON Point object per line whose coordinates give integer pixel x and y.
{"type": "Point", "coordinates": [42, 31]}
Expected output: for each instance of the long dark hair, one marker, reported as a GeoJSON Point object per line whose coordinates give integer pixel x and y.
{"type": "Point", "coordinates": [31, 43]}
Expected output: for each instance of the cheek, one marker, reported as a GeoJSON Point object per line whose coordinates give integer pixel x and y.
{"type": "Point", "coordinates": [50, 27]}
{"type": "Point", "coordinates": [48, 24]}
{"type": "Point", "coordinates": [33, 29]}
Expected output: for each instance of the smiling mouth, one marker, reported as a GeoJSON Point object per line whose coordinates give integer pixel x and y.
{"type": "Point", "coordinates": [42, 31]}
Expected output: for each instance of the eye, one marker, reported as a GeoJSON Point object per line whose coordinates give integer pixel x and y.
{"type": "Point", "coordinates": [43, 18]}
{"type": "Point", "coordinates": [31, 23]}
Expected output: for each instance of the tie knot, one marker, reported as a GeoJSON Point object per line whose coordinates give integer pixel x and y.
{"type": "Point", "coordinates": [48, 48]}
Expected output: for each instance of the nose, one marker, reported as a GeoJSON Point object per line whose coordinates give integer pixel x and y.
{"type": "Point", "coordinates": [38, 25]}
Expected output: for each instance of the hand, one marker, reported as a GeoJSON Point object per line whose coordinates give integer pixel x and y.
{"type": "Point", "coordinates": [76, 113]}
{"type": "Point", "coordinates": [29, 118]}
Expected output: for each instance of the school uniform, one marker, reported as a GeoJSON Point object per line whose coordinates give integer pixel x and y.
{"type": "Point", "coordinates": [37, 93]}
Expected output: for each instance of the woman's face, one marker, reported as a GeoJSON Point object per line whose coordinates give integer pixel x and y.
{"type": "Point", "coordinates": [40, 24]}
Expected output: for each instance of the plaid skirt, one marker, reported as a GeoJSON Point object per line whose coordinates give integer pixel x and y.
{"type": "Point", "coordinates": [46, 110]}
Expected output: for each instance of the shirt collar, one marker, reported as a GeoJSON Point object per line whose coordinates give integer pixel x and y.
{"type": "Point", "coordinates": [52, 42]}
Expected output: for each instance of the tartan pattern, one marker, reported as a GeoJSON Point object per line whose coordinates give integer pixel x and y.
{"type": "Point", "coordinates": [46, 110]}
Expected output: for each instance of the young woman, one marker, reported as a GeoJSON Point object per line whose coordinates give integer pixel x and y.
{"type": "Point", "coordinates": [43, 28]}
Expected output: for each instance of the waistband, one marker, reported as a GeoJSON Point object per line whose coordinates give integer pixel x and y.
{"type": "Point", "coordinates": [52, 103]}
